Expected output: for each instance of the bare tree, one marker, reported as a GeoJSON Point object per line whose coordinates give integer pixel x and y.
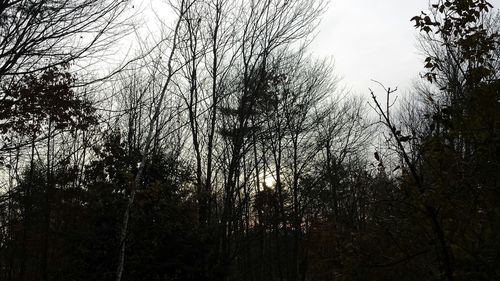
{"type": "Point", "coordinates": [183, 7]}
{"type": "Point", "coordinates": [37, 35]}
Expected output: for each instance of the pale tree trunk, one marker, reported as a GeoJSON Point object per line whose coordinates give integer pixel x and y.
{"type": "Point", "coordinates": [149, 137]}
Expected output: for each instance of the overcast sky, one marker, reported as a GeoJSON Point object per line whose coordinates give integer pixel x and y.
{"type": "Point", "coordinates": [371, 39]}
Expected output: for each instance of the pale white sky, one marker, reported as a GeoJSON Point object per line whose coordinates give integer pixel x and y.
{"type": "Point", "coordinates": [371, 39]}
{"type": "Point", "coordinates": [367, 39]}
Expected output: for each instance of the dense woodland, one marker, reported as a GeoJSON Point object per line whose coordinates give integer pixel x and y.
{"type": "Point", "coordinates": [221, 148]}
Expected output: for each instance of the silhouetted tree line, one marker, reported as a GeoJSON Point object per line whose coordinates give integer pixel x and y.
{"type": "Point", "coordinates": [224, 151]}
